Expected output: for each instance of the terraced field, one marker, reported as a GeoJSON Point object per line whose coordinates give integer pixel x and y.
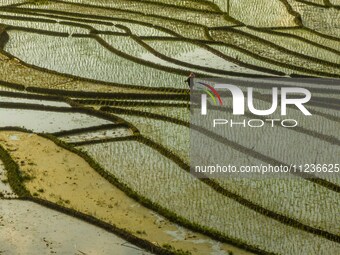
{"type": "Point", "coordinates": [95, 127]}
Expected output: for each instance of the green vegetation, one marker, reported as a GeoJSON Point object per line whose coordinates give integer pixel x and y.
{"type": "Point", "coordinates": [15, 178]}
{"type": "Point", "coordinates": [88, 68]}
{"type": "Point", "coordinates": [177, 252]}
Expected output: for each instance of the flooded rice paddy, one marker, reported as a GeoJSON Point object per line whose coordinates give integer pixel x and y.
{"type": "Point", "coordinates": [119, 125]}
{"type": "Point", "coordinates": [54, 233]}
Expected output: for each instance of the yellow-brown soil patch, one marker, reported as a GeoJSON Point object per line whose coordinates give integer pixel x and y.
{"type": "Point", "coordinates": [67, 179]}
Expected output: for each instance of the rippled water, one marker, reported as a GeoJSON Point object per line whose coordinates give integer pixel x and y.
{"type": "Point", "coordinates": [47, 122]}
{"type": "Point", "coordinates": [54, 233]}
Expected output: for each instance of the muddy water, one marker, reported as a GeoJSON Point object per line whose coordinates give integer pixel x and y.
{"type": "Point", "coordinates": [46, 122]}
{"type": "Point", "coordinates": [4, 99]}
{"type": "Point", "coordinates": [28, 228]}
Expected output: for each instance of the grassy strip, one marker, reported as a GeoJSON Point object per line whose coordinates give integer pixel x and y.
{"type": "Point", "coordinates": [15, 178]}
{"type": "Point", "coordinates": [4, 38]}
{"type": "Point", "coordinates": [335, 6]}
{"type": "Point", "coordinates": [10, 85]}
{"type": "Point", "coordinates": [102, 95]}
{"type": "Point", "coordinates": [76, 35]}
{"type": "Point", "coordinates": [54, 21]}
{"type": "Point", "coordinates": [89, 129]}
{"type": "Point", "coordinates": [18, 129]}
{"type": "Point", "coordinates": [312, 4]}
{"type": "Point", "coordinates": [153, 206]}
{"type": "Point", "coordinates": [37, 31]}
{"type": "Point", "coordinates": [32, 96]}
{"type": "Point", "coordinates": [73, 24]}
{"type": "Point", "coordinates": [105, 140]}
{"type": "Point", "coordinates": [124, 234]}
{"type": "Point", "coordinates": [146, 115]}
{"type": "Point", "coordinates": [24, 106]}
{"type": "Point", "coordinates": [129, 103]}
{"type": "Point", "coordinates": [327, 3]}
{"type": "Point", "coordinates": [30, 19]}
{"type": "Point", "coordinates": [184, 39]}
{"type": "Point", "coordinates": [329, 37]}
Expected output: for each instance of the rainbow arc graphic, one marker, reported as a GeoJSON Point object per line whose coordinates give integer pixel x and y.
{"type": "Point", "coordinates": [211, 91]}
